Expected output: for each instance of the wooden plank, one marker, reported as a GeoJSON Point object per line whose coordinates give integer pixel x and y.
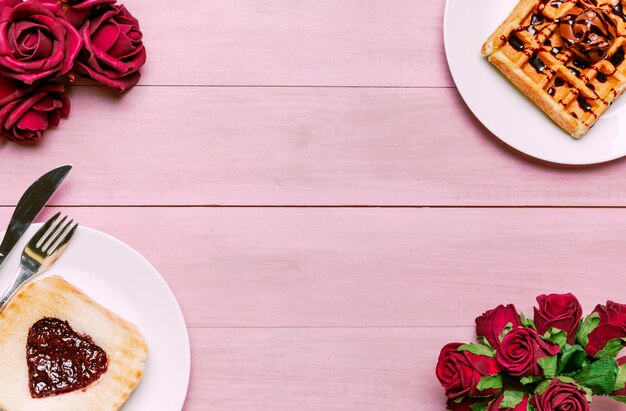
{"type": "Point", "coordinates": [317, 369]}
{"type": "Point", "coordinates": [314, 369]}
{"type": "Point", "coordinates": [275, 267]}
{"type": "Point", "coordinates": [293, 43]}
{"type": "Point", "coordinates": [264, 146]}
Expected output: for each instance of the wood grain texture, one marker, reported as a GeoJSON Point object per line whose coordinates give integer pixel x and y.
{"type": "Point", "coordinates": [313, 369]}
{"type": "Point", "coordinates": [307, 146]}
{"type": "Point", "coordinates": [286, 267]}
{"type": "Point", "coordinates": [293, 43]}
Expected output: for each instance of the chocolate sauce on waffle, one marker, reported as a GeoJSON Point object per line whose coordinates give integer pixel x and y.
{"type": "Point", "coordinates": [619, 11]}
{"type": "Point", "coordinates": [583, 104]}
{"type": "Point", "coordinates": [588, 32]}
{"type": "Point", "coordinates": [579, 37]}
{"type": "Point", "coordinates": [617, 58]}
{"type": "Point", "coordinates": [574, 71]}
{"type": "Point", "coordinates": [516, 43]}
{"type": "Point", "coordinates": [536, 62]}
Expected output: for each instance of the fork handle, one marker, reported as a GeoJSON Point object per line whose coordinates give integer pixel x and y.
{"type": "Point", "coordinates": [22, 276]}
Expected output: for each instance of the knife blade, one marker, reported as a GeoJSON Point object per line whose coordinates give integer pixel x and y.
{"type": "Point", "coordinates": [29, 207]}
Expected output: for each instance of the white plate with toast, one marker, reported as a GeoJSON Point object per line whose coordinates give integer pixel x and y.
{"type": "Point", "coordinates": [503, 109]}
{"type": "Point", "coordinates": [119, 279]}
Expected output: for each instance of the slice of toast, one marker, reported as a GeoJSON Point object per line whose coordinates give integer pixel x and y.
{"type": "Point", "coordinates": [53, 297]}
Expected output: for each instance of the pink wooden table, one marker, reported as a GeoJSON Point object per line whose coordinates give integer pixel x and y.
{"type": "Point", "coordinates": [325, 207]}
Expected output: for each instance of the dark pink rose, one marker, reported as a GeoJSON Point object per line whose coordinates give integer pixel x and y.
{"type": "Point", "coordinates": [560, 396]}
{"type": "Point", "coordinates": [78, 10]}
{"type": "Point", "coordinates": [561, 311]}
{"type": "Point", "coordinates": [621, 392]}
{"type": "Point", "coordinates": [459, 372]}
{"type": "Point", "coordinates": [612, 326]}
{"type": "Point", "coordinates": [491, 324]}
{"type": "Point", "coordinates": [36, 40]}
{"type": "Point", "coordinates": [522, 406]}
{"type": "Point", "coordinates": [27, 111]}
{"type": "Point", "coordinates": [520, 351]}
{"type": "Point", "coordinates": [113, 52]}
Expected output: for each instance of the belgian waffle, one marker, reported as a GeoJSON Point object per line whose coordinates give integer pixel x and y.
{"type": "Point", "coordinates": [571, 87]}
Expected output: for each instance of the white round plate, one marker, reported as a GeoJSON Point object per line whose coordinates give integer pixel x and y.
{"type": "Point", "coordinates": [120, 279]}
{"type": "Point", "coordinates": [503, 109]}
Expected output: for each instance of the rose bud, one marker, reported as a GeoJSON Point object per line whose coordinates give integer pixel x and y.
{"type": "Point", "coordinates": [465, 404]}
{"type": "Point", "coordinates": [560, 396]}
{"type": "Point", "coordinates": [36, 40]}
{"type": "Point", "coordinates": [622, 391]}
{"type": "Point", "coordinates": [78, 10]}
{"type": "Point", "coordinates": [492, 323]}
{"type": "Point", "coordinates": [27, 112]}
{"type": "Point", "coordinates": [459, 372]}
{"type": "Point", "coordinates": [113, 52]}
{"type": "Point", "coordinates": [520, 351]}
{"type": "Point", "coordinates": [522, 406]}
{"type": "Point", "coordinates": [612, 326]}
{"type": "Point", "coordinates": [561, 311]}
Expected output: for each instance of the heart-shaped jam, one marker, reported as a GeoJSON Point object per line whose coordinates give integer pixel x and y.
{"type": "Point", "coordinates": [60, 360]}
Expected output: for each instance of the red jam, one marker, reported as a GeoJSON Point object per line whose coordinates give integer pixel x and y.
{"type": "Point", "coordinates": [60, 360]}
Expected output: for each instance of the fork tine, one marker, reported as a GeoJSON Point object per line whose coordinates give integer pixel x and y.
{"type": "Point", "coordinates": [45, 241]}
{"type": "Point", "coordinates": [43, 230]}
{"type": "Point", "coordinates": [64, 240]}
{"type": "Point", "coordinates": [58, 232]}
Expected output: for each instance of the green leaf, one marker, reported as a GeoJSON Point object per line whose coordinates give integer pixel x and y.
{"type": "Point", "coordinates": [542, 386]}
{"type": "Point", "coordinates": [530, 379]}
{"type": "Point", "coordinates": [511, 399]}
{"type": "Point", "coordinates": [556, 336]}
{"type": "Point", "coordinates": [479, 406]}
{"type": "Point", "coordinates": [478, 349]}
{"type": "Point", "coordinates": [527, 322]}
{"type": "Point", "coordinates": [585, 328]}
{"type": "Point", "coordinates": [567, 380]}
{"type": "Point", "coordinates": [612, 348]}
{"type": "Point", "coordinates": [572, 358]}
{"type": "Point", "coordinates": [491, 382]}
{"type": "Point", "coordinates": [600, 376]}
{"type": "Point", "coordinates": [483, 341]}
{"type": "Point", "coordinates": [621, 378]}
{"type": "Point", "coordinates": [618, 399]}
{"type": "Point", "coordinates": [507, 329]}
{"type": "Point", "coordinates": [548, 365]}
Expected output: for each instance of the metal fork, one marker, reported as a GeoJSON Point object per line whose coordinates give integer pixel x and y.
{"type": "Point", "coordinates": [42, 251]}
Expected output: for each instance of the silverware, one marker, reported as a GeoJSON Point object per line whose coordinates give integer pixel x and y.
{"type": "Point", "coordinates": [42, 251]}
{"type": "Point", "coordinates": [29, 206]}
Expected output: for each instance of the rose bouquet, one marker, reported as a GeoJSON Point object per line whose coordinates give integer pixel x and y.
{"type": "Point", "coordinates": [554, 362]}
{"type": "Point", "coordinates": [45, 43]}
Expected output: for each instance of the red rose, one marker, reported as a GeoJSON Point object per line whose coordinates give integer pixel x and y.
{"type": "Point", "coordinates": [492, 323]}
{"type": "Point", "coordinates": [78, 10]}
{"type": "Point", "coordinates": [495, 404]}
{"type": "Point", "coordinates": [459, 372]}
{"type": "Point", "coordinates": [36, 40]}
{"type": "Point", "coordinates": [612, 326]}
{"type": "Point", "coordinates": [113, 52]}
{"type": "Point", "coordinates": [27, 111]}
{"type": "Point", "coordinates": [560, 396]}
{"type": "Point", "coordinates": [520, 351]}
{"type": "Point", "coordinates": [561, 311]}
{"type": "Point", "coordinates": [621, 392]}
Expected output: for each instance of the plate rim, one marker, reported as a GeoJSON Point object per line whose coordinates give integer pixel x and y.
{"type": "Point", "coordinates": [508, 143]}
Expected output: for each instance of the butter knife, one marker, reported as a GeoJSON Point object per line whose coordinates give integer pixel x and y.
{"type": "Point", "coordinates": [29, 207]}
